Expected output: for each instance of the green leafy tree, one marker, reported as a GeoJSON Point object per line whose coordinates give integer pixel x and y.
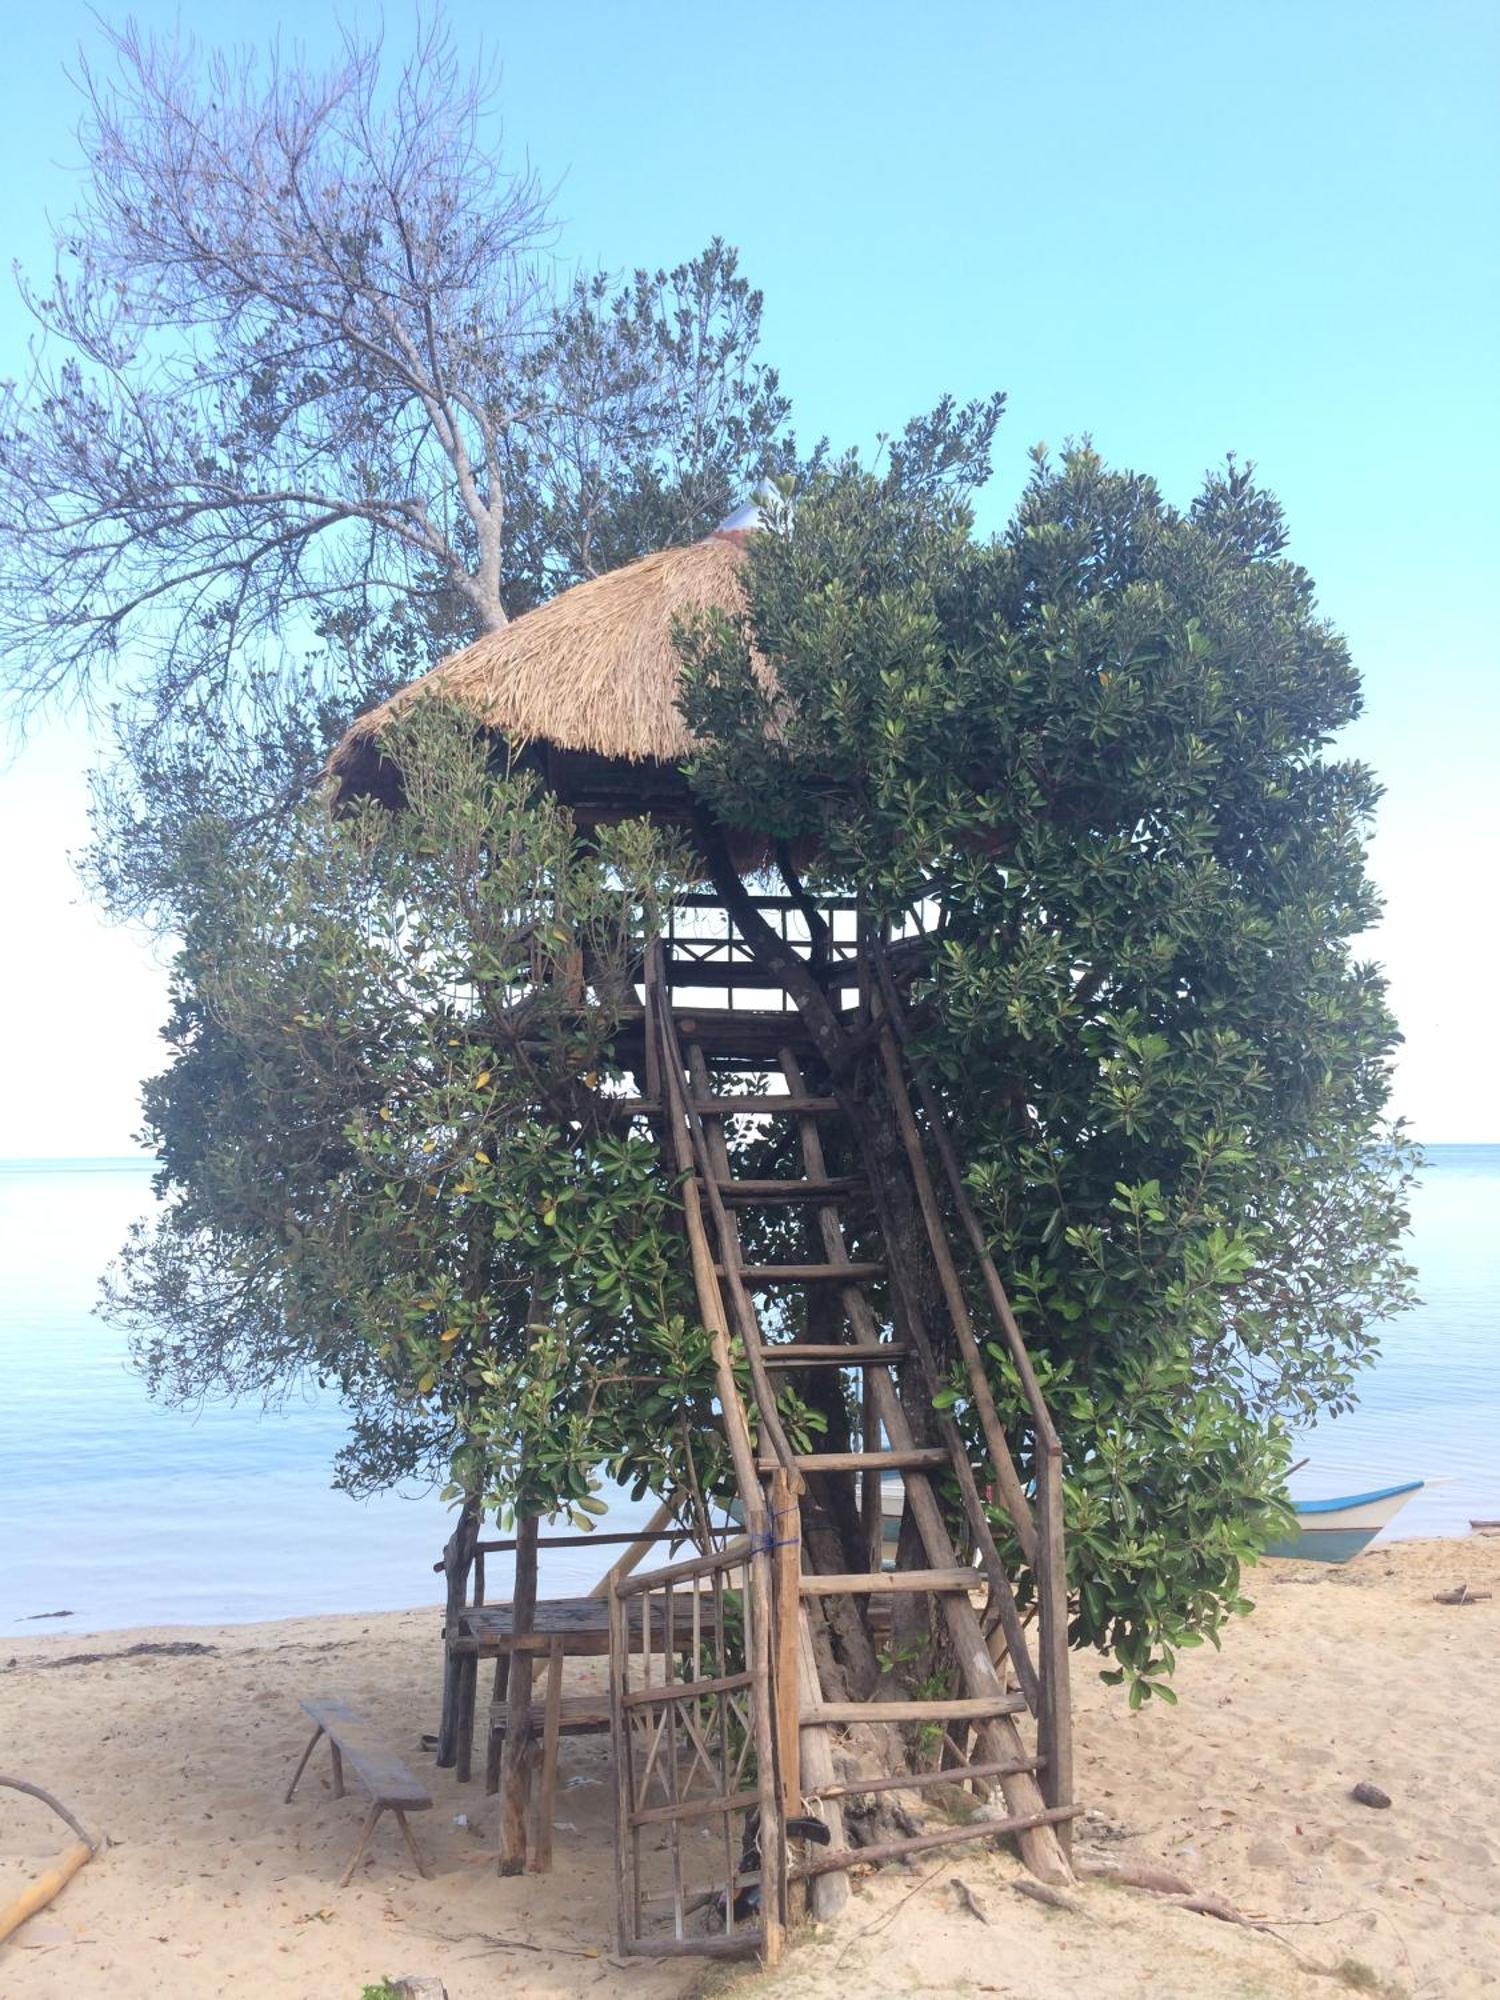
{"type": "Point", "coordinates": [1091, 761]}
{"type": "Point", "coordinates": [394, 1154]}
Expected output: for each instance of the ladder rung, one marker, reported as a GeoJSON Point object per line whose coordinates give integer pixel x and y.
{"type": "Point", "coordinates": [810, 1354]}
{"type": "Point", "coordinates": [806, 1274]}
{"type": "Point", "coordinates": [930, 1458]}
{"type": "Point", "coordinates": [836, 1860]}
{"type": "Point", "coordinates": [736, 1107]}
{"type": "Point", "coordinates": [886, 1580]}
{"type": "Point", "coordinates": [916, 1781]}
{"type": "Point", "coordinates": [961, 1708]}
{"type": "Point", "coordinates": [756, 1191]}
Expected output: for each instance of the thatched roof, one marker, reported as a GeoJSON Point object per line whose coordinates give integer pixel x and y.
{"type": "Point", "coordinates": [594, 670]}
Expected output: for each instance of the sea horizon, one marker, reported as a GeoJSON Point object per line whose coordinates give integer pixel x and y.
{"type": "Point", "coordinates": [226, 1514]}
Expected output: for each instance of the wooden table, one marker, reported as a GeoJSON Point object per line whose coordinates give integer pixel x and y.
{"type": "Point", "coordinates": [487, 1632]}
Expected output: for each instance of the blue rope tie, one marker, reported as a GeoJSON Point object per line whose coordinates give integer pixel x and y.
{"type": "Point", "coordinates": [762, 1545]}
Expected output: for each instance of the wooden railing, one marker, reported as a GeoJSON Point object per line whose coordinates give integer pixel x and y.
{"type": "Point", "coordinates": [691, 1727]}
{"type": "Point", "coordinates": [1040, 1531]}
{"type": "Point", "coordinates": [741, 1700]}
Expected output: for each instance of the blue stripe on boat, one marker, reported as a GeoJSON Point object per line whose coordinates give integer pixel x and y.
{"type": "Point", "coordinates": [1354, 1499]}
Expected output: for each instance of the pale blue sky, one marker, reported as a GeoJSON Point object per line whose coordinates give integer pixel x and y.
{"type": "Point", "coordinates": [1185, 229]}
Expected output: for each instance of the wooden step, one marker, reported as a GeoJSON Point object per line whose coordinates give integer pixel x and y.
{"type": "Point", "coordinates": [956, 1708]}
{"type": "Point", "coordinates": [918, 1781]}
{"type": "Point", "coordinates": [930, 1458]}
{"type": "Point", "coordinates": [773, 1191]}
{"type": "Point", "coordinates": [806, 1274]}
{"type": "Point", "coordinates": [836, 1584]}
{"type": "Point", "coordinates": [835, 1860]}
{"type": "Point", "coordinates": [838, 1354]}
{"type": "Point", "coordinates": [780, 1107]}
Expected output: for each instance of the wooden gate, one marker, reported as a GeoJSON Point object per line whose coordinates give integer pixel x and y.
{"type": "Point", "coordinates": [699, 1852]}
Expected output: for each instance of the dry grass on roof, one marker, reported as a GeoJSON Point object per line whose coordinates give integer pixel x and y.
{"type": "Point", "coordinates": [592, 670]}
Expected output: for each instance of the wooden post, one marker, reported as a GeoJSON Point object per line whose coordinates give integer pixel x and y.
{"type": "Point", "coordinates": [1055, 1718]}
{"type": "Point", "coordinates": [458, 1560]}
{"type": "Point", "coordinates": [758, 1625]}
{"type": "Point", "coordinates": [786, 1553]}
{"type": "Point", "coordinates": [515, 1758]}
{"type": "Point", "coordinates": [872, 1518]}
{"type": "Point", "coordinates": [545, 1802]}
{"type": "Point", "coordinates": [827, 1893]}
{"type": "Point", "coordinates": [627, 1886]}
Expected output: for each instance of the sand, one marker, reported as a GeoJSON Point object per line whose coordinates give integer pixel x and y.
{"type": "Point", "coordinates": [212, 1886]}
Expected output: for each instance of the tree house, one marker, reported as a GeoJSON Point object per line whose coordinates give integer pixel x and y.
{"type": "Point", "coordinates": [854, 1638]}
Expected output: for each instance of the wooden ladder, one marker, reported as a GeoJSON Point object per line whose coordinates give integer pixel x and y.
{"type": "Point", "coordinates": [1036, 1784]}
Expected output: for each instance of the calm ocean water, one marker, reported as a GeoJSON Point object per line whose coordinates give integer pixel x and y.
{"type": "Point", "coordinates": [122, 1513]}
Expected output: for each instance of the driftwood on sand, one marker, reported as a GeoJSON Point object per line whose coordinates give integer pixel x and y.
{"type": "Point", "coordinates": [38, 1894]}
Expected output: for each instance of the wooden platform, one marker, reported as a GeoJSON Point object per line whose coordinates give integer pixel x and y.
{"type": "Point", "coordinates": [582, 1623]}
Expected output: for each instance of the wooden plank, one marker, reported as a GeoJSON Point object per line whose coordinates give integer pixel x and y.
{"type": "Point", "coordinates": [721, 1802]}
{"type": "Point", "coordinates": [759, 1107]}
{"type": "Point", "coordinates": [514, 1758]}
{"type": "Point", "coordinates": [773, 1860]}
{"type": "Point", "coordinates": [744, 1944]}
{"type": "Point", "coordinates": [623, 1538]}
{"type": "Point", "coordinates": [891, 1580]}
{"type": "Point", "coordinates": [627, 1906]}
{"type": "Point", "coordinates": [776, 1191]}
{"type": "Point", "coordinates": [925, 1458]}
{"type": "Point", "coordinates": [539, 1861]}
{"type": "Point", "coordinates": [580, 1714]}
{"type": "Point", "coordinates": [972, 1708]}
{"type": "Point", "coordinates": [834, 1354]}
{"type": "Point", "coordinates": [786, 1555]}
{"type": "Point", "coordinates": [730, 1556]}
{"type": "Point", "coordinates": [920, 1781]}
{"type": "Point", "coordinates": [668, 1691]}
{"type": "Point", "coordinates": [377, 1767]}
{"type": "Point", "coordinates": [829, 1893]}
{"type": "Point", "coordinates": [943, 1836]}
{"type": "Point", "coordinates": [807, 1274]}
{"type": "Point", "coordinates": [1055, 1715]}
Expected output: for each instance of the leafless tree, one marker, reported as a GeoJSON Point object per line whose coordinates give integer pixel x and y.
{"type": "Point", "coordinates": [307, 354]}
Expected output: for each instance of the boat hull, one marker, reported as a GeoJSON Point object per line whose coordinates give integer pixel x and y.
{"type": "Point", "coordinates": [1335, 1530]}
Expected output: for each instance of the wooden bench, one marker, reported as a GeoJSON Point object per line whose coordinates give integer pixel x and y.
{"type": "Point", "coordinates": [386, 1780]}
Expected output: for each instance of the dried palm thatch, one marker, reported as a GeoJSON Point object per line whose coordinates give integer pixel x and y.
{"type": "Point", "coordinates": [594, 670]}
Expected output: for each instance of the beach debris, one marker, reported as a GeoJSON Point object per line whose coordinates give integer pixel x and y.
{"type": "Point", "coordinates": [1370, 1795]}
{"type": "Point", "coordinates": [1213, 1906]}
{"type": "Point", "coordinates": [967, 1899]}
{"type": "Point", "coordinates": [38, 1894]}
{"type": "Point", "coordinates": [1040, 1892]}
{"type": "Point", "coordinates": [1136, 1875]}
{"type": "Point", "coordinates": [170, 1649]}
{"type": "Point", "coordinates": [419, 1986]}
{"type": "Point", "coordinates": [1462, 1595]}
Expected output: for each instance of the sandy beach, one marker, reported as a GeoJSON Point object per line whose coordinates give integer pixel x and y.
{"type": "Point", "coordinates": [211, 1885]}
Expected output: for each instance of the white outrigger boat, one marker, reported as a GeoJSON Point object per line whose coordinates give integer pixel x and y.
{"type": "Point", "coordinates": [1334, 1530]}
{"type": "Point", "coordinates": [1327, 1530]}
